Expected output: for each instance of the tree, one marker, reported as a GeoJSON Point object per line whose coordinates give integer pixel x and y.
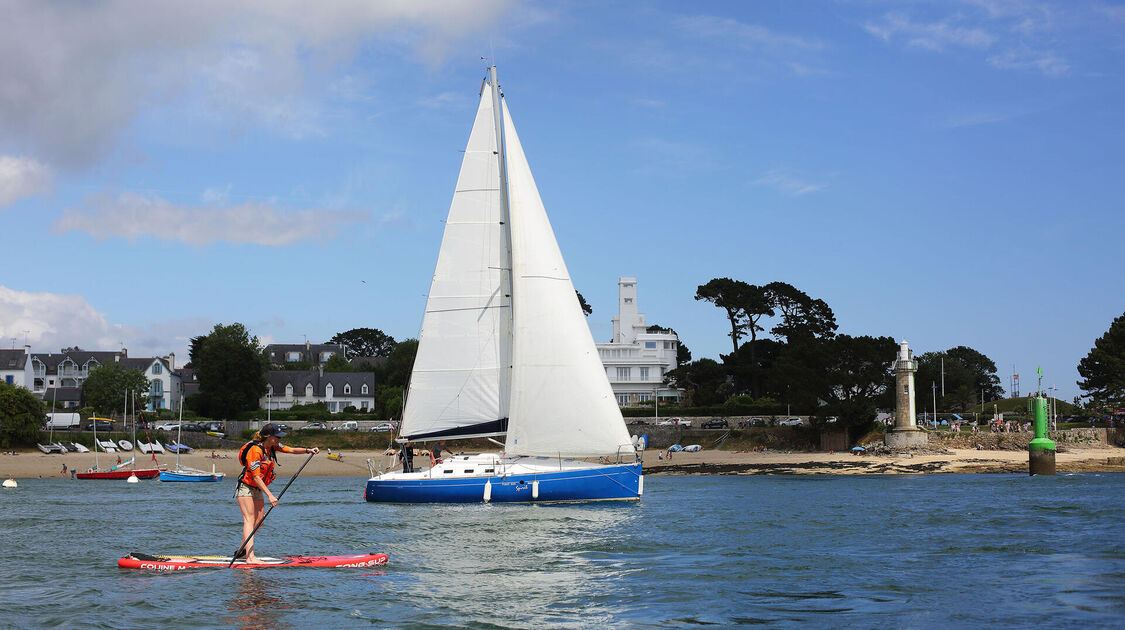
{"type": "Point", "coordinates": [802, 317]}
{"type": "Point", "coordinates": [396, 371]}
{"type": "Point", "coordinates": [108, 385]}
{"type": "Point", "coordinates": [21, 416]}
{"type": "Point", "coordinates": [745, 305]}
{"type": "Point", "coordinates": [857, 371]}
{"type": "Point", "coordinates": [364, 342]}
{"type": "Point", "coordinates": [231, 366]}
{"type": "Point", "coordinates": [967, 372]}
{"type": "Point", "coordinates": [727, 294]}
{"type": "Point", "coordinates": [586, 308]}
{"type": "Point", "coordinates": [71, 349]}
{"type": "Point", "coordinates": [705, 382]}
{"type": "Point", "coordinates": [337, 363]}
{"type": "Point", "coordinates": [1103, 368]}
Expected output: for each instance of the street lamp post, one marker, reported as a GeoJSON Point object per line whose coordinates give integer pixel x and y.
{"type": "Point", "coordinates": [934, 421]}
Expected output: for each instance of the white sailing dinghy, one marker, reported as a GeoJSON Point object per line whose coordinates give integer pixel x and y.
{"type": "Point", "coordinates": [505, 350]}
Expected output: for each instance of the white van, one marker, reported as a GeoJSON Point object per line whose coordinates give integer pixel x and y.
{"type": "Point", "coordinates": [63, 421]}
{"type": "Point", "coordinates": [350, 425]}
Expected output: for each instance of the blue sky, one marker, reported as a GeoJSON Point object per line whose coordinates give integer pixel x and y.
{"type": "Point", "coordinates": [948, 172]}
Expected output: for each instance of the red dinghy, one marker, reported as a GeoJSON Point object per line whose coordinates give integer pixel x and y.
{"type": "Point", "coordinates": [148, 473]}
{"type": "Point", "coordinates": [176, 563]}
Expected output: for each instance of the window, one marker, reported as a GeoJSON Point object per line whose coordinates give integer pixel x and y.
{"type": "Point", "coordinates": [628, 300]}
{"type": "Point", "coordinates": [324, 356]}
{"type": "Point", "coordinates": [329, 390]}
{"type": "Point", "coordinates": [156, 389]}
{"type": "Point", "coordinates": [622, 373]}
{"type": "Point", "coordinates": [269, 389]}
{"type": "Point", "coordinates": [644, 373]}
{"type": "Point", "coordinates": [650, 345]}
{"type": "Point", "coordinates": [347, 388]}
{"type": "Point", "coordinates": [906, 389]}
{"type": "Point", "coordinates": [667, 345]}
{"type": "Point", "coordinates": [292, 357]}
{"type": "Point", "coordinates": [623, 399]}
{"type": "Point", "coordinates": [289, 390]}
{"type": "Point", "coordinates": [644, 397]}
{"type": "Point", "coordinates": [308, 390]}
{"type": "Point", "coordinates": [8, 379]}
{"type": "Point", "coordinates": [156, 368]}
{"type": "Point", "coordinates": [364, 390]}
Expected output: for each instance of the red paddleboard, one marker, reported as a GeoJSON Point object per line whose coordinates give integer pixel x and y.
{"type": "Point", "coordinates": [176, 563]}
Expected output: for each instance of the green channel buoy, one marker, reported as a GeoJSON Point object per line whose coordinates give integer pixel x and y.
{"type": "Point", "coordinates": [1041, 450]}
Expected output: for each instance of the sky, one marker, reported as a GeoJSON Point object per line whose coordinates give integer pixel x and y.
{"type": "Point", "coordinates": [949, 173]}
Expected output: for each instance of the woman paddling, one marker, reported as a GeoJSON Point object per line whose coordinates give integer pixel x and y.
{"type": "Point", "coordinates": [258, 457]}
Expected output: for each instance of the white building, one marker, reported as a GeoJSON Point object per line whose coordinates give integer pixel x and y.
{"type": "Point", "coordinates": [15, 367]}
{"type": "Point", "coordinates": [636, 360]}
{"type": "Point", "coordinates": [68, 370]}
{"type": "Point", "coordinates": [337, 390]}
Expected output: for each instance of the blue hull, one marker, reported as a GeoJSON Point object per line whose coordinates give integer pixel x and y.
{"type": "Point", "coordinates": [602, 483]}
{"type": "Point", "coordinates": [173, 476]}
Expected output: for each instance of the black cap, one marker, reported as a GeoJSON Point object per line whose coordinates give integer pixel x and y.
{"type": "Point", "coordinates": [272, 429]}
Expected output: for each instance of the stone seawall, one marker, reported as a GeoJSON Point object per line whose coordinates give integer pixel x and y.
{"type": "Point", "coordinates": [1019, 441]}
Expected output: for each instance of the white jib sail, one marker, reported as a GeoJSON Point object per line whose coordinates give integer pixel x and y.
{"type": "Point", "coordinates": [455, 386]}
{"type": "Point", "coordinates": [562, 403]}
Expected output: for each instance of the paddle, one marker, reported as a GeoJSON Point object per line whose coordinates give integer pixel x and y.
{"type": "Point", "coordinates": [242, 548]}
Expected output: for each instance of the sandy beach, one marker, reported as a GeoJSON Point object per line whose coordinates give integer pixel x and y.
{"type": "Point", "coordinates": [33, 464]}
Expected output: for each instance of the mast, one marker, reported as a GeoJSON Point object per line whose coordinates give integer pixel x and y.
{"type": "Point", "coordinates": [507, 338]}
{"type": "Point", "coordinates": [180, 434]}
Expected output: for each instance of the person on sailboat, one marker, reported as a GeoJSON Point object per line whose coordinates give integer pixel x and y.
{"type": "Point", "coordinates": [258, 457]}
{"type": "Point", "coordinates": [437, 450]}
{"type": "Point", "coordinates": [406, 454]}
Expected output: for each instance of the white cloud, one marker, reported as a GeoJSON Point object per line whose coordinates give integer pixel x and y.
{"type": "Point", "coordinates": [22, 177]}
{"type": "Point", "coordinates": [132, 215]}
{"type": "Point", "coordinates": [76, 74]}
{"type": "Point", "coordinates": [1046, 62]}
{"type": "Point", "coordinates": [742, 34]}
{"type": "Point", "coordinates": [1017, 34]}
{"type": "Point", "coordinates": [931, 36]}
{"type": "Point", "coordinates": [50, 321]}
{"type": "Point", "coordinates": [787, 183]}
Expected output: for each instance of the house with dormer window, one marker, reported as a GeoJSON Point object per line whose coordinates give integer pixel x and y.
{"type": "Point", "coordinates": [286, 389]}
{"type": "Point", "coordinates": [66, 371]}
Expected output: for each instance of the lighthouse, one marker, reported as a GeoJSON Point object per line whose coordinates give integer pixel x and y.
{"type": "Point", "coordinates": [905, 433]}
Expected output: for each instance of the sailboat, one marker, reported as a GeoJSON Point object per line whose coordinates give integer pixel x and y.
{"type": "Point", "coordinates": [118, 471]}
{"type": "Point", "coordinates": [184, 473]}
{"type": "Point", "coordinates": [505, 350]}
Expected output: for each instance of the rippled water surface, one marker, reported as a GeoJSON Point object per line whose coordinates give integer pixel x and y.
{"type": "Point", "coordinates": [890, 551]}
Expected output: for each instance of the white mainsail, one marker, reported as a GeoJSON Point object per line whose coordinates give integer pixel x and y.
{"type": "Point", "coordinates": [562, 403]}
{"type": "Point", "coordinates": [455, 387]}
{"type": "Point", "coordinates": [553, 399]}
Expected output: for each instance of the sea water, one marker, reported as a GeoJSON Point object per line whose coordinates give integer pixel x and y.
{"type": "Point", "coordinates": [925, 551]}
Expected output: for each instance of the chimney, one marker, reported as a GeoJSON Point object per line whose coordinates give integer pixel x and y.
{"type": "Point", "coordinates": [171, 359]}
{"type": "Point", "coordinates": [27, 350]}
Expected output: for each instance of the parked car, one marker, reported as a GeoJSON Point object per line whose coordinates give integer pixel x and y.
{"type": "Point", "coordinates": [350, 425]}
{"type": "Point", "coordinates": [791, 422]}
{"type": "Point", "coordinates": [193, 427]}
{"type": "Point", "coordinates": [757, 422]}
{"type": "Point", "coordinates": [383, 426]}
{"type": "Point", "coordinates": [99, 424]}
{"type": "Point", "coordinates": [716, 423]}
{"type": "Point", "coordinates": [284, 427]}
{"type": "Point", "coordinates": [645, 422]}
{"type": "Point", "coordinates": [313, 426]}
{"type": "Point", "coordinates": [214, 426]}
{"type": "Point", "coordinates": [167, 426]}
{"type": "Point", "coordinates": [830, 420]}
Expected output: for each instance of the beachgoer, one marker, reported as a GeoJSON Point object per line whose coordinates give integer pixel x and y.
{"type": "Point", "coordinates": [63, 473]}
{"type": "Point", "coordinates": [258, 457]}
